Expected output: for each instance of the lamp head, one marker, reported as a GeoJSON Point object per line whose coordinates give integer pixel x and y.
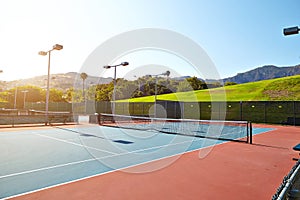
{"type": "Point", "coordinates": [106, 66]}
{"type": "Point", "coordinates": [124, 63]}
{"type": "Point", "coordinates": [42, 53]}
{"type": "Point", "coordinates": [57, 47]}
{"type": "Point", "coordinates": [291, 30]}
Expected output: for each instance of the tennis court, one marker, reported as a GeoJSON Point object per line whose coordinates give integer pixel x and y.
{"type": "Point", "coordinates": [34, 159]}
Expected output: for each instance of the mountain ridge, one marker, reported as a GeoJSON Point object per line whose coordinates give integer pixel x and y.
{"type": "Point", "coordinates": [265, 72]}
{"type": "Point", "coordinates": [67, 80]}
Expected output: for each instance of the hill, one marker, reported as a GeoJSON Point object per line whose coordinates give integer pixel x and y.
{"type": "Point", "coordinates": [66, 80]}
{"type": "Point", "coordinates": [264, 73]}
{"type": "Point", "coordinates": [60, 81]}
{"type": "Point", "coordinates": [284, 89]}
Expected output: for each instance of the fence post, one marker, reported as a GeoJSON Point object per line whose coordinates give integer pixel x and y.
{"type": "Point", "coordinates": [174, 104]}
{"type": "Point", "coordinates": [182, 109]}
{"type": "Point", "coordinates": [251, 133]}
{"type": "Point", "coordinates": [294, 111]}
{"type": "Point", "coordinates": [199, 104]}
{"type": "Point", "coordinates": [265, 111]}
{"type": "Point", "coordinates": [241, 110]}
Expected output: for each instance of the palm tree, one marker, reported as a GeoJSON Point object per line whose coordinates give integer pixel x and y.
{"type": "Point", "coordinates": [83, 76]}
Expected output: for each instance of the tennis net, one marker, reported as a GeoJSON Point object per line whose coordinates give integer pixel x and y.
{"type": "Point", "coordinates": [240, 131]}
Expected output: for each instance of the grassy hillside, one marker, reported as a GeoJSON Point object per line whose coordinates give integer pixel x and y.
{"type": "Point", "coordinates": [287, 88]}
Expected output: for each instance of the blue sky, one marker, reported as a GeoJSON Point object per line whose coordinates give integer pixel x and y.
{"type": "Point", "coordinates": [238, 35]}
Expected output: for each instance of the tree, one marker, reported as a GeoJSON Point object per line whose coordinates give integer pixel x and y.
{"type": "Point", "coordinates": [15, 96]}
{"type": "Point", "coordinates": [69, 94]}
{"type": "Point", "coordinates": [83, 76]}
{"type": "Point", "coordinates": [230, 83]}
{"type": "Point", "coordinates": [104, 92]}
{"type": "Point", "coordinates": [91, 92]}
{"type": "Point", "coordinates": [56, 95]}
{"type": "Point", "coordinates": [184, 86]}
{"type": "Point", "coordinates": [196, 84]}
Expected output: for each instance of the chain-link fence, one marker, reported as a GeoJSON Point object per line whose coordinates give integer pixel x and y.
{"type": "Point", "coordinates": [274, 112]}
{"type": "Point", "coordinates": [53, 106]}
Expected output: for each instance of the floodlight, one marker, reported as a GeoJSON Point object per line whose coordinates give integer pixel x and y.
{"type": "Point", "coordinates": [115, 81]}
{"type": "Point", "coordinates": [42, 53]}
{"type": "Point", "coordinates": [291, 30]}
{"type": "Point", "coordinates": [57, 47]}
{"type": "Point", "coordinates": [124, 63]}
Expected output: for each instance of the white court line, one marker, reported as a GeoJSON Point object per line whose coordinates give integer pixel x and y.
{"type": "Point", "coordinates": [93, 159]}
{"type": "Point", "coordinates": [111, 171]}
{"type": "Point", "coordinates": [76, 144]}
{"type": "Point", "coordinates": [110, 156]}
{"type": "Point", "coordinates": [102, 173]}
{"type": "Point", "coordinates": [124, 153]}
{"type": "Point", "coordinates": [46, 168]}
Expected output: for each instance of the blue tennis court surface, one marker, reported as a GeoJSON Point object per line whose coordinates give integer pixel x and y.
{"type": "Point", "coordinates": [35, 159]}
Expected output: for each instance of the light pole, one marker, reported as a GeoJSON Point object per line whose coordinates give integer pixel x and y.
{"type": "Point", "coordinates": [291, 30]}
{"type": "Point", "coordinates": [24, 95]}
{"type": "Point", "coordinates": [167, 73]}
{"type": "Point", "coordinates": [115, 81]}
{"type": "Point", "coordinates": [83, 76]}
{"type": "Point", "coordinates": [44, 53]}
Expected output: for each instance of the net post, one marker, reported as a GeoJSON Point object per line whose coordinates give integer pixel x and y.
{"type": "Point", "coordinates": [100, 119]}
{"type": "Point", "coordinates": [98, 115]}
{"type": "Point", "coordinates": [250, 132]}
{"type": "Point", "coordinates": [46, 120]}
{"type": "Point", "coordinates": [247, 131]}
